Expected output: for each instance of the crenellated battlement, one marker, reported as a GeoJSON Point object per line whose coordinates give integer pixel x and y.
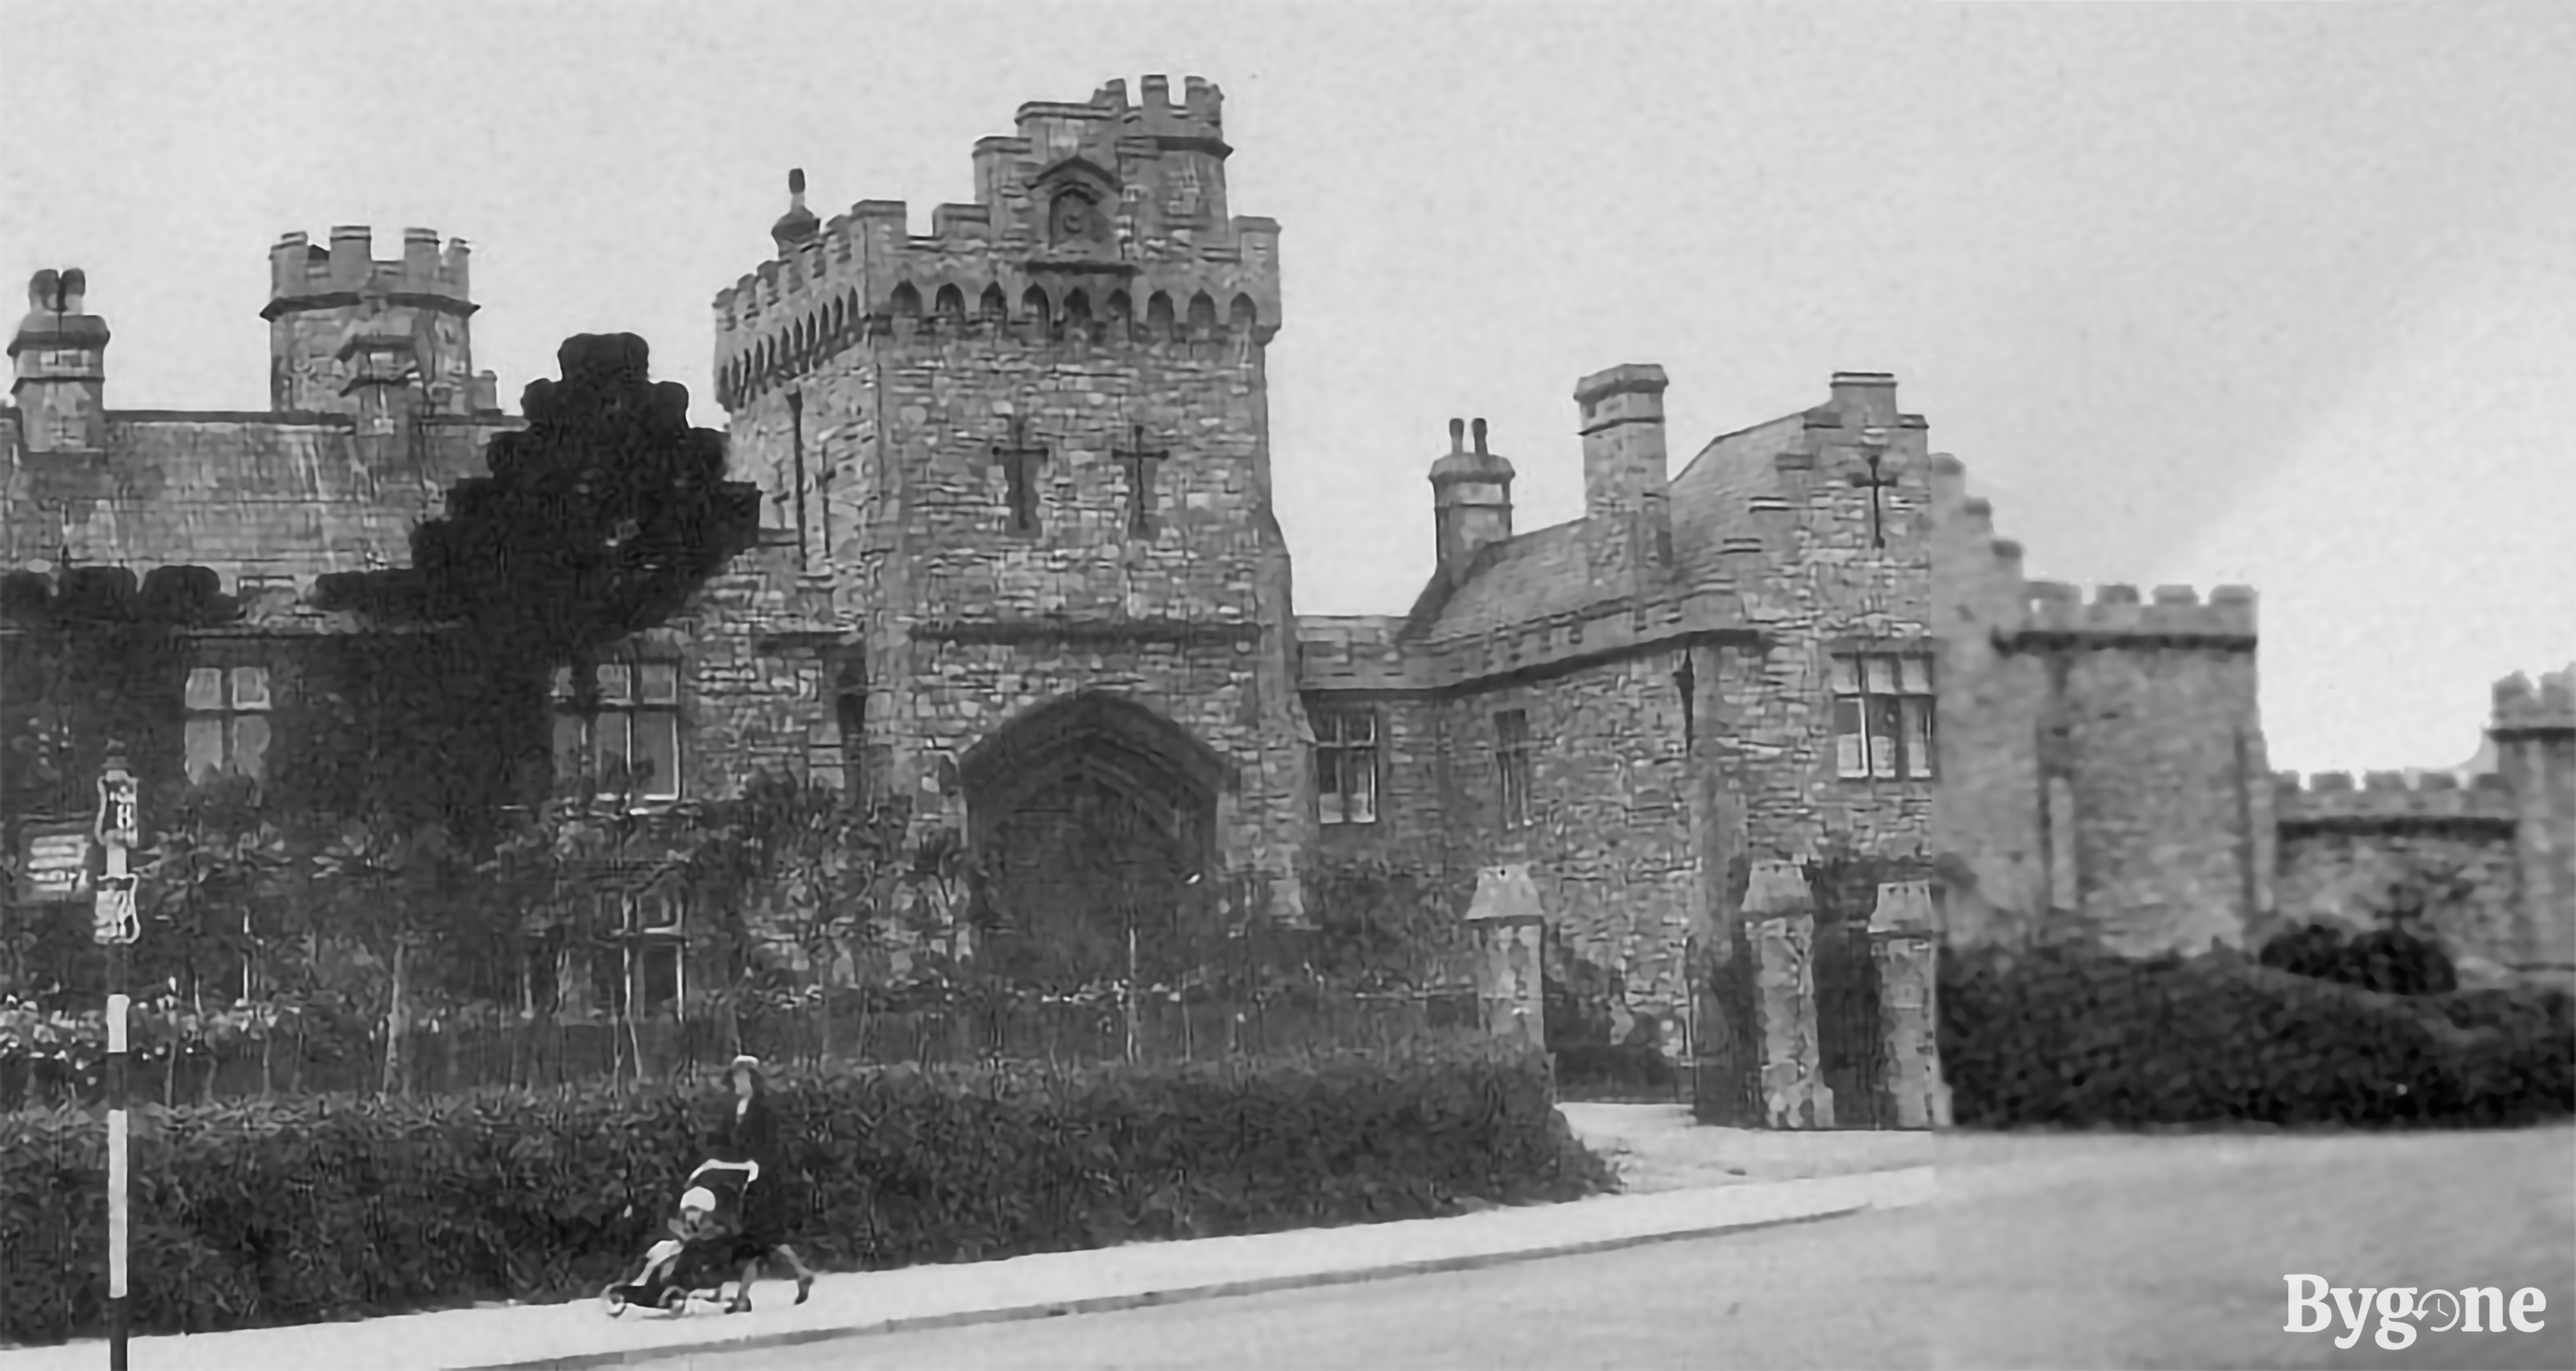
{"type": "Point", "coordinates": [1200, 112]}
{"type": "Point", "coordinates": [2384, 797]}
{"type": "Point", "coordinates": [1104, 220]}
{"type": "Point", "coordinates": [2056, 609]}
{"type": "Point", "coordinates": [2548, 708]}
{"type": "Point", "coordinates": [306, 275]}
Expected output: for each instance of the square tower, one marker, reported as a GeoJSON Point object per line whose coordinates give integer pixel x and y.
{"type": "Point", "coordinates": [1032, 448]}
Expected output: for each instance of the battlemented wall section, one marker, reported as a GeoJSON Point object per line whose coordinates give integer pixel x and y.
{"type": "Point", "coordinates": [2104, 774]}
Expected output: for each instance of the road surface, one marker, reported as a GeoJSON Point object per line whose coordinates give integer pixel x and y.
{"type": "Point", "coordinates": [2045, 1252]}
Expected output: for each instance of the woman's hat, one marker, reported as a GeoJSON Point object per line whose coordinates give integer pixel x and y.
{"type": "Point", "coordinates": [699, 1198]}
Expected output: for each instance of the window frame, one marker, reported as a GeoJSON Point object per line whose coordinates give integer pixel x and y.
{"type": "Point", "coordinates": [1885, 713]}
{"type": "Point", "coordinates": [627, 704]}
{"type": "Point", "coordinates": [633, 946]}
{"type": "Point", "coordinates": [229, 711]}
{"type": "Point", "coordinates": [1340, 756]}
{"type": "Point", "coordinates": [1515, 747]}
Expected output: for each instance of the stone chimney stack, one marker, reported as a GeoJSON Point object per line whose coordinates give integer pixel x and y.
{"type": "Point", "coordinates": [1626, 494]}
{"type": "Point", "coordinates": [1471, 501]}
{"type": "Point", "coordinates": [59, 361]}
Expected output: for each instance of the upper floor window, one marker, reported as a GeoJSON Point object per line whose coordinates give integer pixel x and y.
{"type": "Point", "coordinates": [1883, 715]}
{"type": "Point", "coordinates": [1512, 751]}
{"type": "Point", "coordinates": [632, 728]}
{"type": "Point", "coordinates": [1346, 765]}
{"type": "Point", "coordinates": [227, 729]}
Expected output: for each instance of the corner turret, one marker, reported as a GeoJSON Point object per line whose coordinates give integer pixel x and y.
{"type": "Point", "coordinates": [318, 296]}
{"type": "Point", "coordinates": [59, 361]}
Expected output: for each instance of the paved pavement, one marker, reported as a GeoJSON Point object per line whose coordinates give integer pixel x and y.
{"type": "Point", "coordinates": [580, 1335]}
{"type": "Point", "coordinates": [1657, 1147]}
{"type": "Point", "coordinates": [1777, 1299]}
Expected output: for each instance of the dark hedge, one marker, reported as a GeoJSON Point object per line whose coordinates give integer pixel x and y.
{"type": "Point", "coordinates": [300, 1211]}
{"type": "Point", "coordinates": [2072, 1036]}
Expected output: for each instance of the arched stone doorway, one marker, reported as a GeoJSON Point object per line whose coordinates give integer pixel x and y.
{"type": "Point", "coordinates": [1095, 821]}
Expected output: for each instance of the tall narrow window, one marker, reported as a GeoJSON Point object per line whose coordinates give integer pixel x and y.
{"type": "Point", "coordinates": [1512, 749]}
{"type": "Point", "coordinates": [796, 445]}
{"type": "Point", "coordinates": [630, 730]}
{"type": "Point", "coordinates": [1883, 715]}
{"type": "Point", "coordinates": [227, 727]}
{"type": "Point", "coordinates": [851, 707]}
{"type": "Point", "coordinates": [1346, 766]}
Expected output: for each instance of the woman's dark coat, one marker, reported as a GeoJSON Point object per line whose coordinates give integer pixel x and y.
{"type": "Point", "coordinates": [751, 1135]}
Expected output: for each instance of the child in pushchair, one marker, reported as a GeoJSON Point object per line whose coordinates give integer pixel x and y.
{"type": "Point", "coordinates": [694, 1261]}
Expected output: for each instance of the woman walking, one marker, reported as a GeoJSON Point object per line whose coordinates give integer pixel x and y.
{"type": "Point", "coordinates": [752, 1136]}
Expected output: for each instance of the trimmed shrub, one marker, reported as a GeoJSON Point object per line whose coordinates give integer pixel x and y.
{"type": "Point", "coordinates": [268, 1214]}
{"type": "Point", "coordinates": [2072, 1036]}
{"type": "Point", "coordinates": [2389, 960]}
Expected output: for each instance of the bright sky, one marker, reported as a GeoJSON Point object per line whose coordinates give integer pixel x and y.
{"type": "Point", "coordinates": [2282, 295]}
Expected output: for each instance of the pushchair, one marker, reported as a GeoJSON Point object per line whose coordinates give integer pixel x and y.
{"type": "Point", "coordinates": [699, 1257]}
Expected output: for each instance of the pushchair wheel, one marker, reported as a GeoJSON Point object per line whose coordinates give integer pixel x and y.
{"type": "Point", "coordinates": [613, 1298]}
{"type": "Point", "coordinates": [675, 1300]}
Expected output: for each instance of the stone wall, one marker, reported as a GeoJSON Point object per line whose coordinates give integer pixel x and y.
{"type": "Point", "coordinates": [2162, 800]}
{"type": "Point", "coordinates": [1985, 819]}
{"type": "Point", "coordinates": [1609, 840]}
{"type": "Point", "coordinates": [758, 658]}
{"type": "Point", "coordinates": [2534, 728]}
{"type": "Point", "coordinates": [2341, 874]}
{"type": "Point", "coordinates": [2103, 760]}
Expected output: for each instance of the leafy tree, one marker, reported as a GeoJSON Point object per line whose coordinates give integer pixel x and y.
{"type": "Point", "coordinates": [600, 517]}
{"type": "Point", "coordinates": [212, 885]}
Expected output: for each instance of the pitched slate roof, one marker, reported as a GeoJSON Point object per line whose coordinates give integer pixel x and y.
{"type": "Point", "coordinates": [280, 496]}
{"type": "Point", "coordinates": [1712, 498]}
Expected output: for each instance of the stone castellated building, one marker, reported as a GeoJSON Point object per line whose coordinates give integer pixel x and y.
{"type": "Point", "coordinates": [1020, 570]}
{"type": "Point", "coordinates": [2102, 770]}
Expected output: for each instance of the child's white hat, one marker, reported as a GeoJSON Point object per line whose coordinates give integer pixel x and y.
{"type": "Point", "coordinates": [699, 1198]}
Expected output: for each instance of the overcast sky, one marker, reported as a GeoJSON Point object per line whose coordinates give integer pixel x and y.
{"type": "Point", "coordinates": [2201, 294]}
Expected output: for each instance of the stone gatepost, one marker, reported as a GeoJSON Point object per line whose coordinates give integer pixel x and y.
{"type": "Point", "coordinates": [1509, 934]}
{"type": "Point", "coordinates": [1902, 939]}
{"type": "Point", "coordinates": [1780, 933]}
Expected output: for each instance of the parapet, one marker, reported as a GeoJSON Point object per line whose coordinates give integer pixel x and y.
{"type": "Point", "coordinates": [2549, 708]}
{"type": "Point", "coordinates": [2115, 612]}
{"type": "Point", "coordinates": [2387, 798]}
{"type": "Point", "coordinates": [1147, 251]}
{"type": "Point", "coordinates": [1354, 652]}
{"type": "Point", "coordinates": [1200, 113]}
{"type": "Point", "coordinates": [303, 275]}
